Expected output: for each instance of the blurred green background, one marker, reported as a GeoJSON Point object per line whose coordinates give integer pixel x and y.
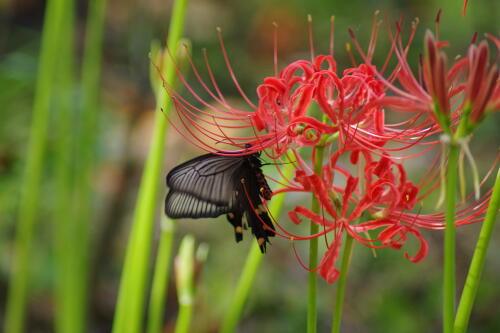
{"type": "Point", "coordinates": [384, 294]}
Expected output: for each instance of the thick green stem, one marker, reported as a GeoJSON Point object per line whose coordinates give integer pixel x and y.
{"type": "Point", "coordinates": [339, 298]}
{"type": "Point", "coordinates": [249, 272]}
{"type": "Point", "coordinates": [313, 252]}
{"type": "Point", "coordinates": [66, 312]}
{"type": "Point", "coordinates": [161, 277]}
{"type": "Point", "coordinates": [449, 240]}
{"type": "Point", "coordinates": [30, 189]}
{"type": "Point", "coordinates": [478, 259]}
{"type": "Point", "coordinates": [133, 286]}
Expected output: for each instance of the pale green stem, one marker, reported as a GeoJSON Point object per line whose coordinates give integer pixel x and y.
{"type": "Point", "coordinates": [313, 252]}
{"type": "Point", "coordinates": [79, 237]}
{"type": "Point", "coordinates": [247, 277]}
{"type": "Point", "coordinates": [249, 272]}
{"type": "Point", "coordinates": [478, 260]}
{"type": "Point", "coordinates": [449, 240]}
{"type": "Point", "coordinates": [133, 287]}
{"type": "Point", "coordinates": [30, 189]}
{"type": "Point", "coordinates": [161, 277]}
{"type": "Point", "coordinates": [341, 284]}
{"type": "Point", "coordinates": [184, 272]}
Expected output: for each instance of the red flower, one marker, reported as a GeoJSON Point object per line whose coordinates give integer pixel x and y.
{"type": "Point", "coordinates": [383, 202]}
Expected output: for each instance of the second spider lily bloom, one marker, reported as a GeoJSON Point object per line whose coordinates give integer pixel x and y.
{"type": "Point", "coordinates": [360, 206]}
{"type": "Point", "coordinates": [371, 199]}
{"type": "Point", "coordinates": [415, 94]}
{"type": "Point", "coordinates": [442, 94]}
{"type": "Point", "coordinates": [462, 92]}
{"type": "Point", "coordinates": [471, 78]}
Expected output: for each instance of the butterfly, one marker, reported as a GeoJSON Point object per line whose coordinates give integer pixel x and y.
{"type": "Point", "coordinates": [211, 185]}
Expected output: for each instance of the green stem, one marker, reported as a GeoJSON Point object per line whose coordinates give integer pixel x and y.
{"type": "Point", "coordinates": [131, 298]}
{"type": "Point", "coordinates": [247, 277]}
{"type": "Point", "coordinates": [161, 277]}
{"type": "Point", "coordinates": [449, 240]}
{"type": "Point", "coordinates": [65, 314]}
{"type": "Point", "coordinates": [184, 316]}
{"type": "Point", "coordinates": [478, 259]}
{"type": "Point", "coordinates": [344, 269]}
{"type": "Point", "coordinates": [249, 272]}
{"type": "Point", "coordinates": [162, 268]}
{"type": "Point", "coordinates": [78, 228]}
{"type": "Point", "coordinates": [30, 188]}
{"type": "Point", "coordinates": [313, 252]}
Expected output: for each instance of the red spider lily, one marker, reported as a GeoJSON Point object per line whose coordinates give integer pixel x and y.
{"type": "Point", "coordinates": [285, 103]}
{"type": "Point", "coordinates": [350, 108]}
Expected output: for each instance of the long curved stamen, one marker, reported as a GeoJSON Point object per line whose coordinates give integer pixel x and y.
{"type": "Point", "coordinates": [230, 69]}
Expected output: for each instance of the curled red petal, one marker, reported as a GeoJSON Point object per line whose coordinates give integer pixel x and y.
{"type": "Point", "coordinates": [422, 252]}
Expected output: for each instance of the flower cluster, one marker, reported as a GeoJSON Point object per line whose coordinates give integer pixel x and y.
{"type": "Point", "coordinates": [355, 167]}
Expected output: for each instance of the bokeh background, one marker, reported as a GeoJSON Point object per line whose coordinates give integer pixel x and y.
{"type": "Point", "coordinates": [385, 293]}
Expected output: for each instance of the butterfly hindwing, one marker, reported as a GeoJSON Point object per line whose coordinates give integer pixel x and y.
{"type": "Point", "coordinates": [208, 177]}
{"type": "Point", "coordinates": [180, 204]}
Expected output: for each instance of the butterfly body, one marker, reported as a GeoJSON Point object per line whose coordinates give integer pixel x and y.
{"type": "Point", "coordinates": [211, 185]}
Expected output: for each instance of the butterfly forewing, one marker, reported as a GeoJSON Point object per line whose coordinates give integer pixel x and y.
{"type": "Point", "coordinates": [208, 177]}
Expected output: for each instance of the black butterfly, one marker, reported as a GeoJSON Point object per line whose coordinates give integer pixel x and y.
{"type": "Point", "coordinates": [211, 185]}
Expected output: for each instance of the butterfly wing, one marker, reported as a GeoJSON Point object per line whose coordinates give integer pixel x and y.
{"type": "Point", "coordinates": [203, 187]}
{"type": "Point", "coordinates": [180, 205]}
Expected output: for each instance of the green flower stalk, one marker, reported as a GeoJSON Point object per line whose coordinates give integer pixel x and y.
{"type": "Point", "coordinates": [162, 266]}
{"type": "Point", "coordinates": [312, 312]}
{"type": "Point", "coordinates": [68, 312]}
{"type": "Point", "coordinates": [339, 298]}
{"type": "Point", "coordinates": [449, 279]}
{"type": "Point", "coordinates": [133, 286]}
{"type": "Point", "coordinates": [473, 277]}
{"type": "Point", "coordinates": [73, 315]}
